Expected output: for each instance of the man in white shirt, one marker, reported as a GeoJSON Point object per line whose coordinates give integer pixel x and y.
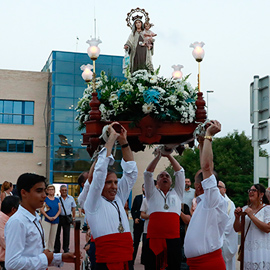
{"type": "Point", "coordinates": [230, 238]}
{"type": "Point", "coordinates": [164, 208]}
{"type": "Point", "coordinates": [204, 237]}
{"type": "Point", "coordinates": [189, 193]}
{"type": "Point", "coordinates": [23, 231]}
{"type": "Point", "coordinates": [104, 205]}
{"type": "Point", "coordinates": [68, 207]}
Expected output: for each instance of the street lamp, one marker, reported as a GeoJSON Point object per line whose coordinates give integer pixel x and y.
{"type": "Point", "coordinates": [93, 52]}
{"type": "Point", "coordinates": [208, 92]}
{"type": "Point", "coordinates": [177, 73]}
{"type": "Point", "coordinates": [198, 54]}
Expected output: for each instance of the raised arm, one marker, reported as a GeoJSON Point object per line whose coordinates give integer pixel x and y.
{"type": "Point", "coordinates": [206, 157]}
{"type": "Point", "coordinates": [126, 151]}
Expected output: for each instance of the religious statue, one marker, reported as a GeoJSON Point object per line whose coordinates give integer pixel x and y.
{"type": "Point", "coordinates": [148, 36]}
{"type": "Point", "coordinates": [140, 55]}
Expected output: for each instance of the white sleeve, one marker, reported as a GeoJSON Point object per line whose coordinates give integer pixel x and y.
{"type": "Point", "coordinates": [179, 186]}
{"type": "Point", "coordinates": [144, 206]}
{"type": "Point", "coordinates": [149, 184]}
{"type": "Point", "coordinates": [97, 185]}
{"type": "Point", "coordinates": [126, 183]}
{"type": "Point", "coordinates": [83, 194]}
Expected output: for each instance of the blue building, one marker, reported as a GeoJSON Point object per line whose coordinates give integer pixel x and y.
{"type": "Point", "coordinates": [65, 155]}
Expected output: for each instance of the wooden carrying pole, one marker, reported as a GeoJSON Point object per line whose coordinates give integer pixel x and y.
{"type": "Point", "coordinates": [77, 260]}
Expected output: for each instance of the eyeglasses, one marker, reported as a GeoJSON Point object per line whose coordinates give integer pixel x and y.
{"type": "Point", "coordinates": [252, 190]}
{"type": "Point", "coordinates": [220, 187]}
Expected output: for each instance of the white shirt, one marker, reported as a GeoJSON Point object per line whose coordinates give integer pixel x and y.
{"type": "Point", "coordinates": [83, 194]}
{"type": "Point", "coordinates": [207, 225]}
{"type": "Point", "coordinates": [69, 203]}
{"type": "Point", "coordinates": [189, 196]}
{"type": "Point", "coordinates": [144, 208]}
{"type": "Point", "coordinates": [155, 197]}
{"type": "Point", "coordinates": [101, 215]}
{"type": "Point", "coordinates": [24, 248]}
{"type": "Point", "coordinates": [230, 241]}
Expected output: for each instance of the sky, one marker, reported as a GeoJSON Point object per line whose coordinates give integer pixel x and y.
{"type": "Point", "coordinates": [235, 33]}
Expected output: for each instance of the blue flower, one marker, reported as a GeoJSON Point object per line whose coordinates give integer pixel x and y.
{"type": "Point", "coordinates": [120, 92]}
{"type": "Point", "coordinates": [99, 94]}
{"type": "Point", "coordinates": [189, 100]}
{"type": "Point", "coordinates": [151, 95]}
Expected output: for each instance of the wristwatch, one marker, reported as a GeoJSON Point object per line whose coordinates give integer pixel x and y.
{"type": "Point", "coordinates": [210, 138]}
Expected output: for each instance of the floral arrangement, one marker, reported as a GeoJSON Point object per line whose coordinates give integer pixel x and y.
{"type": "Point", "coordinates": [141, 94]}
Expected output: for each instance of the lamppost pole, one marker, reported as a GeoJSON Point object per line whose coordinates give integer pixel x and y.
{"type": "Point", "coordinates": [208, 92]}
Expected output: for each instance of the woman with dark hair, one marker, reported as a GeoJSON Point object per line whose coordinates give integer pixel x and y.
{"type": "Point", "coordinates": [257, 228]}
{"type": "Point", "coordinates": [140, 56]}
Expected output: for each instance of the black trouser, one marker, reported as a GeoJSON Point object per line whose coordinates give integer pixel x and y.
{"type": "Point", "coordinates": [103, 266]}
{"type": "Point", "coordinates": [173, 256]}
{"type": "Point", "coordinates": [137, 233]}
{"type": "Point", "coordinates": [66, 233]}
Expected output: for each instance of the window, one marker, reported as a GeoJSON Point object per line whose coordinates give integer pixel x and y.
{"type": "Point", "coordinates": [16, 112]}
{"type": "Point", "coordinates": [19, 146]}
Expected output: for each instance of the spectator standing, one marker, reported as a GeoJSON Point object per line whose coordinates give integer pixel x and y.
{"type": "Point", "coordinates": [6, 190]}
{"type": "Point", "coordinates": [68, 206]}
{"type": "Point", "coordinates": [138, 223]}
{"type": "Point", "coordinates": [189, 193]}
{"type": "Point", "coordinates": [23, 231]}
{"type": "Point", "coordinates": [8, 207]}
{"type": "Point", "coordinates": [51, 210]}
{"type": "Point", "coordinates": [257, 228]}
{"type": "Point", "coordinates": [230, 238]}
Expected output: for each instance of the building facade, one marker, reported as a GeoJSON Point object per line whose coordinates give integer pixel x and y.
{"type": "Point", "coordinates": [37, 117]}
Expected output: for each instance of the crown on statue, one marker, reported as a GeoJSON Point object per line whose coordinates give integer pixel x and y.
{"type": "Point", "coordinates": [137, 17]}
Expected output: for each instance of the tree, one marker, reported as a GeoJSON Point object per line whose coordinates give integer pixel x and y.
{"type": "Point", "coordinates": [233, 159]}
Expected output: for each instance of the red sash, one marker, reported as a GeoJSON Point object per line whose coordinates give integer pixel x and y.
{"type": "Point", "coordinates": [209, 261]}
{"type": "Point", "coordinates": [115, 250]}
{"type": "Point", "coordinates": [162, 226]}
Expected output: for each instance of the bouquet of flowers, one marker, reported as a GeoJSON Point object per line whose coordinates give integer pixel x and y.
{"type": "Point", "coordinates": [142, 93]}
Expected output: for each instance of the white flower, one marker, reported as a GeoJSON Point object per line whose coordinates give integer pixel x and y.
{"type": "Point", "coordinates": [172, 99]}
{"type": "Point", "coordinates": [140, 87]}
{"type": "Point", "coordinates": [147, 108]}
{"type": "Point", "coordinates": [113, 97]}
{"type": "Point", "coordinates": [153, 79]}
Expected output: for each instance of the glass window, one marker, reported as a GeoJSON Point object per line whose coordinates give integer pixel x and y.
{"type": "Point", "coordinates": [17, 107]}
{"type": "Point", "coordinates": [1, 106]}
{"type": "Point", "coordinates": [64, 56]}
{"type": "Point", "coordinates": [28, 120]}
{"type": "Point", "coordinates": [8, 106]}
{"type": "Point", "coordinates": [61, 126]}
{"type": "Point", "coordinates": [64, 79]}
{"type": "Point", "coordinates": [63, 103]}
{"type": "Point", "coordinates": [79, 92]}
{"type": "Point", "coordinates": [20, 146]}
{"type": "Point", "coordinates": [11, 146]}
{"type": "Point", "coordinates": [64, 115]}
{"type": "Point", "coordinates": [17, 119]}
{"type": "Point", "coordinates": [3, 145]}
{"type": "Point", "coordinates": [29, 146]}
{"type": "Point", "coordinates": [29, 107]}
{"type": "Point", "coordinates": [64, 67]}
{"type": "Point", "coordinates": [63, 91]}
{"type": "Point", "coordinates": [17, 112]}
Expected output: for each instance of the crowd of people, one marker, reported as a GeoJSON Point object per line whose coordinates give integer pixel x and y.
{"type": "Point", "coordinates": [181, 227]}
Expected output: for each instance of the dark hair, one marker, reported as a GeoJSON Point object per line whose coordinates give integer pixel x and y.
{"type": "Point", "coordinates": [81, 179]}
{"type": "Point", "coordinates": [155, 182]}
{"type": "Point", "coordinates": [199, 177]}
{"type": "Point", "coordinates": [27, 180]}
{"type": "Point", "coordinates": [8, 203]}
{"type": "Point", "coordinates": [111, 170]}
{"type": "Point", "coordinates": [261, 189]}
